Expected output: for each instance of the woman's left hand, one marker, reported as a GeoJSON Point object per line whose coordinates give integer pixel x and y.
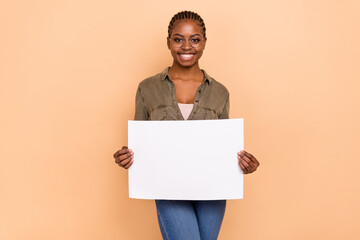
{"type": "Point", "coordinates": [247, 162]}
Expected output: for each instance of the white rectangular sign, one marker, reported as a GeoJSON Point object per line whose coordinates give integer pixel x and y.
{"type": "Point", "coordinates": [186, 160]}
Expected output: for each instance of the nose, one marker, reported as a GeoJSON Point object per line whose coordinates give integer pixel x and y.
{"type": "Point", "coordinates": [186, 45]}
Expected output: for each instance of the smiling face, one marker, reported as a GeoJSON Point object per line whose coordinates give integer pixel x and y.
{"type": "Point", "coordinates": [188, 53]}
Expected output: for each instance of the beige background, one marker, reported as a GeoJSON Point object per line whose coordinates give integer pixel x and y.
{"type": "Point", "coordinates": [69, 72]}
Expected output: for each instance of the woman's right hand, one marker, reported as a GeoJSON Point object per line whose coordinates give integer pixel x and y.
{"type": "Point", "coordinates": [124, 157]}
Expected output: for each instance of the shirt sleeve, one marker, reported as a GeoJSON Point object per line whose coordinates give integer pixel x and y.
{"type": "Point", "coordinates": [141, 112]}
{"type": "Point", "coordinates": [225, 112]}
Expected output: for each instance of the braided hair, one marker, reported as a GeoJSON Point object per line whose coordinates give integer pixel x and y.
{"type": "Point", "coordinates": [185, 15]}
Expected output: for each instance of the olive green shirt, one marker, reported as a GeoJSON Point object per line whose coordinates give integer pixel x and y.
{"type": "Point", "coordinates": [156, 99]}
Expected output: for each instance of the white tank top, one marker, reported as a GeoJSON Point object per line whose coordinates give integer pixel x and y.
{"type": "Point", "coordinates": [185, 109]}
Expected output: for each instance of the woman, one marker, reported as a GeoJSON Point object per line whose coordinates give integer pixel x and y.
{"type": "Point", "coordinates": [180, 92]}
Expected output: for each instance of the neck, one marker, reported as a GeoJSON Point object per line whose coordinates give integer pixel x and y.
{"type": "Point", "coordinates": [185, 73]}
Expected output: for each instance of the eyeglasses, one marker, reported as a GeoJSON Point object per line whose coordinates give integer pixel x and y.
{"type": "Point", "coordinates": [178, 42]}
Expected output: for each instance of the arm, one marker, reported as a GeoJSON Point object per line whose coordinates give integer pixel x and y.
{"type": "Point", "coordinates": [125, 156]}
{"type": "Point", "coordinates": [247, 162]}
{"type": "Point", "coordinates": [141, 112]}
{"type": "Point", "coordinates": [225, 112]}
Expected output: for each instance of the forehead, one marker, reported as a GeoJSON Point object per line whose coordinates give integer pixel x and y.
{"type": "Point", "coordinates": [185, 27]}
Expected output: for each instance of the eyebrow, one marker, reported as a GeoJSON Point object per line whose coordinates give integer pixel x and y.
{"type": "Point", "coordinates": [194, 35]}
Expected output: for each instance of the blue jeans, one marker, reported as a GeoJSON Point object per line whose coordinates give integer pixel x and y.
{"type": "Point", "coordinates": [190, 220]}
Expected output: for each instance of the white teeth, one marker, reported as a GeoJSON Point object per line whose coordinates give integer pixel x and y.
{"type": "Point", "coordinates": [186, 56]}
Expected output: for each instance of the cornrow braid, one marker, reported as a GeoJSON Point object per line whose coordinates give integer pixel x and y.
{"type": "Point", "coordinates": [184, 15]}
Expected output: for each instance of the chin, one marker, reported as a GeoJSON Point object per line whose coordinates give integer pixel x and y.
{"type": "Point", "coordinates": [187, 64]}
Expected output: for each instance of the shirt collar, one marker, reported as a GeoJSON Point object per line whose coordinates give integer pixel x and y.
{"type": "Point", "coordinates": [165, 74]}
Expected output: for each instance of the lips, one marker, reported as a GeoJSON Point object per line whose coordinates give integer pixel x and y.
{"type": "Point", "coordinates": [186, 56]}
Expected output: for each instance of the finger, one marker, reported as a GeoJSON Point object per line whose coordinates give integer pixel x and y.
{"type": "Point", "coordinates": [252, 163]}
{"type": "Point", "coordinates": [251, 157]}
{"type": "Point", "coordinates": [247, 167]}
{"type": "Point", "coordinates": [122, 151]}
{"type": "Point", "coordinates": [124, 162]}
{"type": "Point", "coordinates": [243, 167]}
{"type": "Point", "coordinates": [252, 166]}
{"type": "Point", "coordinates": [246, 159]}
{"type": "Point", "coordinates": [244, 163]}
{"type": "Point", "coordinates": [129, 164]}
{"type": "Point", "coordinates": [125, 155]}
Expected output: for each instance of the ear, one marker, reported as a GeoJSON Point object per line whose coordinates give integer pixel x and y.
{"type": "Point", "coordinates": [205, 39]}
{"type": "Point", "coordinates": [168, 42]}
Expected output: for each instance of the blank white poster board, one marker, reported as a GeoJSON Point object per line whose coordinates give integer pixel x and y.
{"type": "Point", "coordinates": [186, 160]}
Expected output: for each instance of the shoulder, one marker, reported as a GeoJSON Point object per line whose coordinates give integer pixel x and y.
{"type": "Point", "coordinates": [153, 81]}
{"type": "Point", "coordinates": [217, 86]}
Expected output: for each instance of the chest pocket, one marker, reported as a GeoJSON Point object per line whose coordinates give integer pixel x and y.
{"type": "Point", "coordinates": [162, 113]}
{"type": "Point", "coordinates": [210, 114]}
{"type": "Point", "coordinates": [205, 114]}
